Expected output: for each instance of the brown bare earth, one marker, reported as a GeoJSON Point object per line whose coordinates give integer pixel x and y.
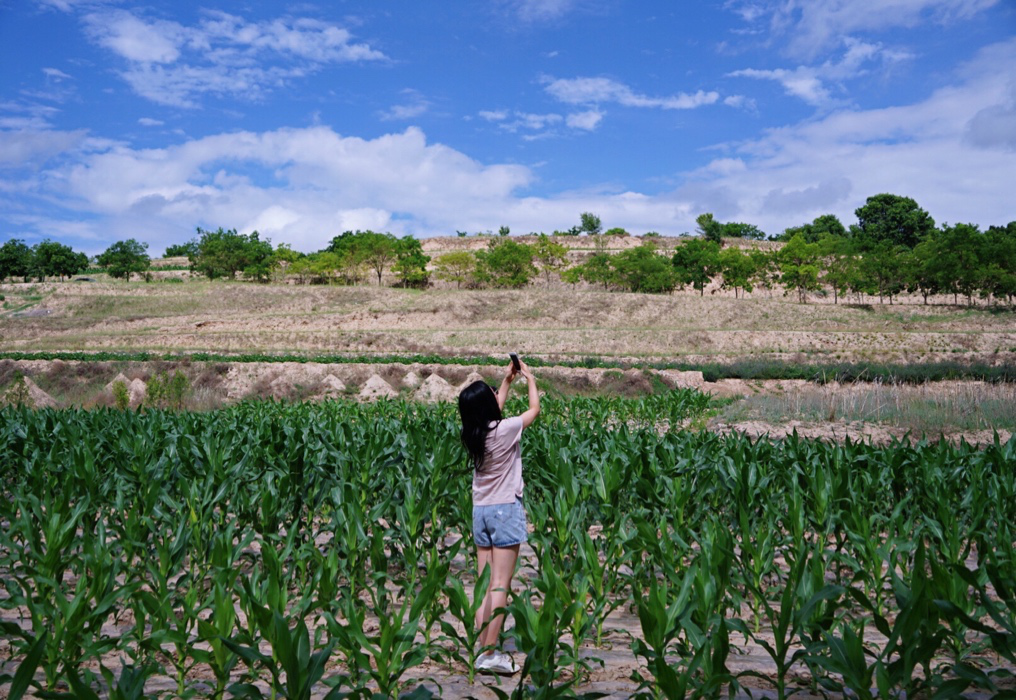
{"type": "Point", "coordinates": [554, 322]}
{"type": "Point", "coordinates": [551, 322]}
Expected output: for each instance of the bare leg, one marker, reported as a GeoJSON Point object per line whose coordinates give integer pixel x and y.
{"type": "Point", "coordinates": [484, 555]}
{"type": "Point", "coordinates": [502, 561]}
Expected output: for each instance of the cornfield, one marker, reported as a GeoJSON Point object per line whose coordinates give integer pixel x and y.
{"type": "Point", "coordinates": [298, 551]}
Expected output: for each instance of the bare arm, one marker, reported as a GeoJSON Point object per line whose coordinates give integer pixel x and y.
{"type": "Point", "coordinates": [502, 391]}
{"type": "Point", "coordinates": [534, 398]}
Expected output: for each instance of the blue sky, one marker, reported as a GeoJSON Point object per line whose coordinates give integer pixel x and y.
{"type": "Point", "coordinates": [303, 120]}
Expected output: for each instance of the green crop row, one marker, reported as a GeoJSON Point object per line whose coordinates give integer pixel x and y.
{"type": "Point", "coordinates": [746, 368]}
{"type": "Point", "coordinates": [277, 550]}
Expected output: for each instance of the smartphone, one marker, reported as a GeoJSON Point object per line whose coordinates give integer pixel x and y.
{"type": "Point", "coordinates": [515, 361]}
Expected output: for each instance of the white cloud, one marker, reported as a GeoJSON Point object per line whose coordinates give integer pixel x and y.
{"type": "Point", "coordinates": [222, 54]}
{"type": "Point", "coordinates": [541, 10]}
{"type": "Point", "coordinates": [148, 121]}
{"type": "Point", "coordinates": [599, 90]}
{"type": "Point", "coordinates": [812, 25]}
{"type": "Point", "coordinates": [952, 152]}
{"type": "Point", "coordinates": [414, 106]}
{"type": "Point", "coordinates": [493, 115]}
{"type": "Point", "coordinates": [587, 121]}
{"type": "Point", "coordinates": [809, 82]}
{"type": "Point", "coordinates": [55, 73]}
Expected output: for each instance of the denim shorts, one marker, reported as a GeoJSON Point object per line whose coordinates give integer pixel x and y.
{"type": "Point", "coordinates": [500, 525]}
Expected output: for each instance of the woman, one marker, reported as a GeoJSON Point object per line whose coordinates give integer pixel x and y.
{"type": "Point", "coordinates": [499, 519]}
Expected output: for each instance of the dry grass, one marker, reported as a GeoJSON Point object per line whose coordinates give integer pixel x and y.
{"type": "Point", "coordinates": [242, 317]}
{"type": "Point", "coordinates": [925, 409]}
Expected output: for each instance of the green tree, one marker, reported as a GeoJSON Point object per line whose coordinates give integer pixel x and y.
{"type": "Point", "coordinates": [504, 231]}
{"type": "Point", "coordinates": [458, 267]}
{"type": "Point", "coordinates": [224, 253]}
{"type": "Point", "coordinates": [379, 251]}
{"type": "Point", "coordinates": [50, 258]}
{"type": "Point", "coordinates": [1000, 272]}
{"type": "Point", "coordinates": [590, 223]}
{"type": "Point", "coordinates": [124, 258]}
{"type": "Point", "coordinates": [551, 256]}
{"type": "Point", "coordinates": [963, 247]}
{"type": "Point", "coordinates": [506, 264]}
{"type": "Point", "coordinates": [767, 268]}
{"type": "Point", "coordinates": [15, 260]}
{"type": "Point", "coordinates": [597, 269]}
{"type": "Point", "coordinates": [800, 267]}
{"type": "Point", "coordinates": [883, 270]}
{"type": "Point", "coordinates": [825, 225]}
{"type": "Point", "coordinates": [283, 258]}
{"type": "Point", "coordinates": [696, 262]}
{"type": "Point", "coordinates": [616, 231]}
{"type": "Point", "coordinates": [839, 264]}
{"type": "Point", "coordinates": [259, 258]}
{"type": "Point", "coordinates": [738, 270]}
{"type": "Point", "coordinates": [737, 229]}
{"type": "Point", "coordinates": [642, 269]}
{"type": "Point", "coordinates": [889, 218]}
{"type": "Point", "coordinates": [181, 250]}
{"type": "Point", "coordinates": [709, 228]}
{"type": "Point", "coordinates": [411, 263]}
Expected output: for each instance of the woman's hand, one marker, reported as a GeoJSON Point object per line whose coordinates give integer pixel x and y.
{"type": "Point", "coordinates": [525, 371]}
{"type": "Point", "coordinates": [510, 374]}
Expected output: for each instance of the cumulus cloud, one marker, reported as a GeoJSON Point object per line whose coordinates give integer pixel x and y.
{"type": "Point", "coordinates": [223, 54]}
{"type": "Point", "coordinates": [952, 152]}
{"type": "Point", "coordinates": [600, 90]}
{"type": "Point", "coordinates": [809, 26]}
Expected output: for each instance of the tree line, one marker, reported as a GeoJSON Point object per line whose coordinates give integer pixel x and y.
{"type": "Point", "coordinates": [894, 247]}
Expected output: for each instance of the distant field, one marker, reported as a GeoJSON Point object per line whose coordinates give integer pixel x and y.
{"type": "Point", "coordinates": [560, 323]}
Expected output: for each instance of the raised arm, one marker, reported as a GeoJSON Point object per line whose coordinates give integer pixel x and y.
{"type": "Point", "coordinates": [534, 398]}
{"type": "Point", "coordinates": [502, 391]}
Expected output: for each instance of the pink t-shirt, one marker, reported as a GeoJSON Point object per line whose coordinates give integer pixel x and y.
{"type": "Point", "coordinates": [499, 478]}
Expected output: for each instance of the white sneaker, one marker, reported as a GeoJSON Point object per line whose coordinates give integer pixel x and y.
{"type": "Point", "coordinates": [498, 662]}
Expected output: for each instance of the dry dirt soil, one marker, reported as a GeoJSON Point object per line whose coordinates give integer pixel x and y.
{"type": "Point", "coordinates": [551, 322]}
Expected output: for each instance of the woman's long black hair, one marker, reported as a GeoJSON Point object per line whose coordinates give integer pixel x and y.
{"type": "Point", "coordinates": [478, 408]}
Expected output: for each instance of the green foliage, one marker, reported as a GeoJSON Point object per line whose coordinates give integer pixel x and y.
{"type": "Point", "coordinates": [642, 269]}
{"type": "Point", "coordinates": [506, 264]}
{"type": "Point", "coordinates": [737, 229]}
{"type": "Point", "coordinates": [892, 220]}
{"type": "Point", "coordinates": [504, 231]}
{"type": "Point", "coordinates": [121, 396]}
{"type": "Point", "coordinates": [301, 546]}
{"type": "Point", "coordinates": [52, 259]}
{"type": "Point", "coordinates": [178, 250]}
{"type": "Point", "coordinates": [616, 231]}
{"type": "Point", "coordinates": [15, 260]}
{"type": "Point", "coordinates": [737, 268]}
{"type": "Point", "coordinates": [411, 263]}
{"type": "Point", "coordinates": [124, 258]}
{"type": "Point", "coordinates": [551, 256]}
{"type": "Point", "coordinates": [17, 392]}
{"type": "Point", "coordinates": [709, 228]}
{"type": "Point", "coordinates": [696, 262]}
{"type": "Point", "coordinates": [165, 391]}
{"type": "Point", "coordinates": [822, 227]}
{"type": "Point", "coordinates": [799, 266]}
{"type": "Point", "coordinates": [458, 267]}
{"type": "Point", "coordinates": [224, 253]}
{"type": "Point", "coordinates": [590, 223]}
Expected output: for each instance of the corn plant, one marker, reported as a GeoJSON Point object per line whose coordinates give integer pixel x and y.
{"type": "Point", "coordinates": [464, 610]}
